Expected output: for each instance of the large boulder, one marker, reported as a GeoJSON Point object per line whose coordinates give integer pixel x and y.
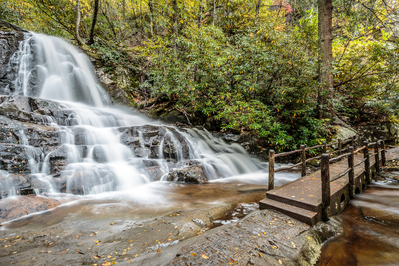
{"type": "Point", "coordinates": [191, 174]}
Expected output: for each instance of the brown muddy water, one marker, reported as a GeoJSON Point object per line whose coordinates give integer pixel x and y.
{"type": "Point", "coordinates": [371, 230]}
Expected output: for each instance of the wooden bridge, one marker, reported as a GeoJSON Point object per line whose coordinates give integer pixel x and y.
{"type": "Point", "coordinates": [317, 196]}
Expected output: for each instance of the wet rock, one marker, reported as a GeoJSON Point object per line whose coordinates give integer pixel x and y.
{"type": "Point", "coordinates": [34, 110]}
{"type": "Point", "coordinates": [11, 184]}
{"type": "Point", "coordinates": [314, 163]}
{"type": "Point", "coordinates": [99, 154]}
{"type": "Point", "coordinates": [9, 44]}
{"type": "Point", "coordinates": [192, 174]}
{"type": "Point", "coordinates": [156, 141]}
{"type": "Point", "coordinates": [14, 132]}
{"type": "Point", "coordinates": [85, 181]}
{"type": "Point", "coordinates": [155, 173]}
{"type": "Point", "coordinates": [12, 208]}
{"type": "Point", "coordinates": [15, 158]}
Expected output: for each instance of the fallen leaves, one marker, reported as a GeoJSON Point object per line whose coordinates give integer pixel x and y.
{"type": "Point", "coordinates": [204, 256]}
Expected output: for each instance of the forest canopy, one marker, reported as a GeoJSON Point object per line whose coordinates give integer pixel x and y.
{"type": "Point", "coordinates": [247, 66]}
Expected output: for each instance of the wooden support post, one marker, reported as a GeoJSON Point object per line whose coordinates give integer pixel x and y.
{"type": "Point", "coordinates": [353, 141]}
{"type": "Point", "coordinates": [271, 170]}
{"type": "Point", "coordinates": [303, 159]}
{"type": "Point", "coordinates": [351, 164]}
{"type": "Point", "coordinates": [377, 157]}
{"type": "Point", "coordinates": [383, 158]}
{"type": "Point", "coordinates": [325, 186]}
{"type": "Point", "coordinates": [324, 147]}
{"type": "Point", "coordinates": [340, 146]}
{"type": "Point", "coordinates": [367, 162]}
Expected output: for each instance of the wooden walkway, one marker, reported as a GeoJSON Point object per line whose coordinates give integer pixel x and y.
{"type": "Point", "coordinates": [302, 198]}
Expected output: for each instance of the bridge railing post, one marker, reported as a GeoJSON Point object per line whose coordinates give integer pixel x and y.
{"type": "Point", "coordinates": [353, 141]}
{"type": "Point", "coordinates": [324, 147]}
{"type": "Point", "coordinates": [271, 170]}
{"type": "Point", "coordinates": [351, 164]}
{"type": "Point", "coordinates": [383, 158]}
{"type": "Point", "coordinates": [340, 146]}
{"type": "Point", "coordinates": [325, 186]}
{"type": "Point", "coordinates": [367, 162]}
{"type": "Point", "coordinates": [377, 156]}
{"type": "Point", "coordinates": [303, 159]}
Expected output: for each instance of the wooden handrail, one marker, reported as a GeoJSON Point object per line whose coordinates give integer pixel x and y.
{"type": "Point", "coordinates": [339, 157]}
{"type": "Point", "coordinates": [325, 159]}
{"type": "Point", "coordinates": [359, 163]}
{"type": "Point", "coordinates": [325, 162]}
{"type": "Point", "coordinates": [287, 168]}
{"type": "Point", "coordinates": [286, 153]}
{"type": "Point", "coordinates": [340, 175]}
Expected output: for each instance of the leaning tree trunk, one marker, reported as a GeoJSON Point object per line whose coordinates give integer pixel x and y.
{"type": "Point", "coordinates": [93, 23]}
{"type": "Point", "coordinates": [325, 57]}
{"type": "Point", "coordinates": [78, 22]}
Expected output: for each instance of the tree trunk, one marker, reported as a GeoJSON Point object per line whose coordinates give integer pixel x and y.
{"type": "Point", "coordinates": [257, 10]}
{"type": "Point", "coordinates": [78, 22]}
{"type": "Point", "coordinates": [124, 10]}
{"type": "Point", "coordinates": [199, 20]}
{"type": "Point", "coordinates": [214, 12]}
{"type": "Point", "coordinates": [93, 23]}
{"type": "Point", "coordinates": [175, 23]}
{"type": "Point", "coordinates": [151, 7]}
{"type": "Point", "coordinates": [325, 57]}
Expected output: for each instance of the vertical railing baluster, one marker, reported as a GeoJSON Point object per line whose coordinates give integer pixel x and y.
{"type": "Point", "coordinates": [340, 146]}
{"type": "Point", "coordinates": [303, 159]}
{"type": "Point", "coordinates": [377, 156]}
{"type": "Point", "coordinates": [351, 164]}
{"type": "Point", "coordinates": [271, 170]}
{"type": "Point", "coordinates": [324, 147]}
{"type": "Point", "coordinates": [325, 186]}
{"type": "Point", "coordinates": [383, 158]}
{"type": "Point", "coordinates": [367, 162]}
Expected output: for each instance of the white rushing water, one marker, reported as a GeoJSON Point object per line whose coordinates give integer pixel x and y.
{"type": "Point", "coordinates": [99, 162]}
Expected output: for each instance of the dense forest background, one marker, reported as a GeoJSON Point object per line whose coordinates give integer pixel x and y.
{"type": "Point", "coordinates": [250, 67]}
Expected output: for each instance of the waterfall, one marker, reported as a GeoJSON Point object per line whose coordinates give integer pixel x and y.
{"type": "Point", "coordinates": [102, 148]}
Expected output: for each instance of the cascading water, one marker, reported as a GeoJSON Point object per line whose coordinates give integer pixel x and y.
{"type": "Point", "coordinates": [102, 148]}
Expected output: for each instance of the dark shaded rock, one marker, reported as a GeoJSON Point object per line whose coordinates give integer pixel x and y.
{"type": "Point", "coordinates": [173, 117]}
{"type": "Point", "coordinates": [9, 44]}
{"type": "Point", "coordinates": [15, 158]}
{"type": "Point", "coordinates": [192, 174]}
{"type": "Point", "coordinates": [14, 132]}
